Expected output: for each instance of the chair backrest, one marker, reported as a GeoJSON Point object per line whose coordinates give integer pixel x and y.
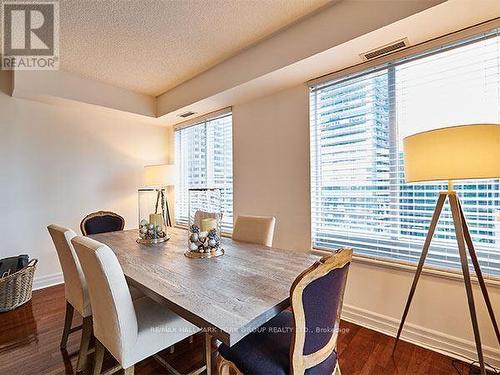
{"type": "Point", "coordinates": [114, 318]}
{"type": "Point", "coordinates": [75, 285]}
{"type": "Point", "coordinates": [317, 296]}
{"type": "Point", "coordinates": [255, 229]}
{"type": "Point", "coordinates": [101, 222]}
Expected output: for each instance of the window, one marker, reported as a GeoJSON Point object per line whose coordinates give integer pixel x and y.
{"type": "Point", "coordinates": [204, 158]}
{"type": "Point", "coordinates": [359, 197]}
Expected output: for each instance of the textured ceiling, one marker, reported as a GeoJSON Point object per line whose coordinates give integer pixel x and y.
{"type": "Point", "coordinates": [150, 46]}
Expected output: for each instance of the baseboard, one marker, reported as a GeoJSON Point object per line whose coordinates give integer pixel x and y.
{"type": "Point", "coordinates": [430, 339]}
{"type": "Point", "coordinates": [47, 280]}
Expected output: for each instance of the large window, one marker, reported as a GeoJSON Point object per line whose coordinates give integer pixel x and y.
{"type": "Point", "coordinates": [359, 197]}
{"type": "Point", "coordinates": [204, 159]}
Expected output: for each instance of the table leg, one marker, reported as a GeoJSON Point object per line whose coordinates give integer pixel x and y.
{"type": "Point", "coordinates": [208, 352]}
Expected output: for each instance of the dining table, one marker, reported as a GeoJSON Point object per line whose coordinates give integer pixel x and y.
{"type": "Point", "coordinates": [227, 297]}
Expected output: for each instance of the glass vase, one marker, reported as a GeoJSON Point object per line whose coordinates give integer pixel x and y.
{"type": "Point", "coordinates": [152, 215]}
{"type": "Point", "coordinates": [205, 219]}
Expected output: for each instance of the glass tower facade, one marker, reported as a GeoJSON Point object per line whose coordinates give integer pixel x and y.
{"type": "Point", "coordinates": [204, 159]}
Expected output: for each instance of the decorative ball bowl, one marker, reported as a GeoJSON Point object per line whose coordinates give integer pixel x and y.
{"type": "Point", "coordinates": [203, 244]}
{"type": "Point", "coordinates": [150, 234]}
{"type": "Point", "coordinates": [152, 241]}
{"type": "Point", "coordinates": [210, 254]}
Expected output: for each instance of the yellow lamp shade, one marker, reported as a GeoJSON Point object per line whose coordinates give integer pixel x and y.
{"type": "Point", "coordinates": [159, 175]}
{"type": "Point", "coordinates": [454, 153]}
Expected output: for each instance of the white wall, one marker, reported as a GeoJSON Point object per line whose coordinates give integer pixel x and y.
{"type": "Point", "coordinates": [61, 87]}
{"type": "Point", "coordinates": [59, 163]}
{"type": "Point", "coordinates": [271, 164]}
{"type": "Point", "coordinates": [271, 177]}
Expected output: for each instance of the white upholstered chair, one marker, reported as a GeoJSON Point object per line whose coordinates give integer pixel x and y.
{"type": "Point", "coordinates": [254, 229]}
{"type": "Point", "coordinates": [75, 290]}
{"type": "Point", "coordinates": [130, 330]}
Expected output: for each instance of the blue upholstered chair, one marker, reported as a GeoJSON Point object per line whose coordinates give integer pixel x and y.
{"type": "Point", "coordinates": [101, 222]}
{"type": "Point", "coordinates": [303, 341]}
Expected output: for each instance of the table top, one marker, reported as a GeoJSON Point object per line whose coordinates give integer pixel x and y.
{"type": "Point", "coordinates": [229, 295]}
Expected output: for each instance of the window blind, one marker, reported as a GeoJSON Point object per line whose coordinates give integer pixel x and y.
{"type": "Point", "coordinates": [204, 159]}
{"type": "Point", "coordinates": [359, 196]}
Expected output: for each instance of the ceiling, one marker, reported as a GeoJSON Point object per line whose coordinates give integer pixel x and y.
{"type": "Point", "coordinates": [150, 46]}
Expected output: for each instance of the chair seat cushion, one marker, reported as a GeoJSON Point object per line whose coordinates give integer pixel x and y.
{"type": "Point", "coordinates": [81, 305]}
{"type": "Point", "coordinates": [158, 328]}
{"type": "Point", "coordinates": [267, 350]}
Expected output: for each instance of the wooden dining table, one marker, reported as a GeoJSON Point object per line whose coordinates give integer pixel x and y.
{"type": "Point", "coordinates": [226, 296]}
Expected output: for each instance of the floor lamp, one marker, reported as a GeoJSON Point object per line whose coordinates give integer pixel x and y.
{"type": "Point", "coordinates": [454, 153]}
{"type": "Point", "coordinates": [160, 177]}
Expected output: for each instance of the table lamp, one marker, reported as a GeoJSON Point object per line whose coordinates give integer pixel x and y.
{"type": "Point", "coordinates": [454, 153]}
{"type": "Point", "coordinates": [159, 177]}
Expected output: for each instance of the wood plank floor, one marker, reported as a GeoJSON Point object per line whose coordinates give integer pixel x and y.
{"type": "Point", "coordinates": [30, 335]}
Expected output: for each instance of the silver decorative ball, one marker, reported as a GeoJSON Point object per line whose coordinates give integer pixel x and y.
{"type": "Point", "coordinates": [193, 246]}
{"type": "Point", "coordinates": [212, 243]}
{"type": "Point", "coordinates": [194, 237]}
{"type": "Point", "coordinates": [151, 226]}
{"type": "Point", "coordinates": [144, 230]}
{"type": "Point", "coordinates": [144, 222]}
{"type": "Point", "coordinates": [158, 228]}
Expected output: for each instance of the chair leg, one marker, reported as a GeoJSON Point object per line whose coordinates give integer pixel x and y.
{"type": "Point", "coordinates": [221, 367]}
{"type": "Point", "coordinates": [129, 371]}
{"type": "Point", "coordinates": [225, 367]}
{"type": "Point", "coordinates": [208, 353]}
{"type": "Point", "coordinates": [84, 343]}
{"type": "Point", "coordinates": [98, 357]}
{"type": "Point", "coordinates": [67, 325]}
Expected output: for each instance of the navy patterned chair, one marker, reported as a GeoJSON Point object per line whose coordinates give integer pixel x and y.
{"type": "Point", "coordinates": [301, 341]}
{"type": "Point", "coordinates": [101, 222]}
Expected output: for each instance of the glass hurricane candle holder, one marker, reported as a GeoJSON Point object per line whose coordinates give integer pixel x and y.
{"type": "Point", "coordinates": [205, 218]}
{"type": "Point", "coordinates": [152, 206]}
{"type": "Point", "coordinates": [152, 215]}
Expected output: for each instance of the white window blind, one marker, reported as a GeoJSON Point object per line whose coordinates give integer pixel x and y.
{"type": "Point", "coordinates": [204, 159]}
{"type": "Point", "coordinates": [359, 197]}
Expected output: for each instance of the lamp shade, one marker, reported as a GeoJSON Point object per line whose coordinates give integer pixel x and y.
{"type": "Point", "coordinates": [159, 175]}
{"type": "Point", "coordinates": [454, 153]}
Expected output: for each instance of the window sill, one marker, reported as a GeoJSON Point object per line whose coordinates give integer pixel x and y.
{"type": "Point", "coordinates": [493, 282]}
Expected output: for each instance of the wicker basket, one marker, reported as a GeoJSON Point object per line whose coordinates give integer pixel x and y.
{"type": "Point", "coordinates": [16, 289]}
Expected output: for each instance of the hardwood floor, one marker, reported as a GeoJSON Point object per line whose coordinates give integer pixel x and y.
{"type": "Point", "coordinates": [30, 336]}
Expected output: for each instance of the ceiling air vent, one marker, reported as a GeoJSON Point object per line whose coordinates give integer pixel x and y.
{"type": "Point", "coordinates": [384, 50]}
{"type": "Point", "coordinates": [187, 114]}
